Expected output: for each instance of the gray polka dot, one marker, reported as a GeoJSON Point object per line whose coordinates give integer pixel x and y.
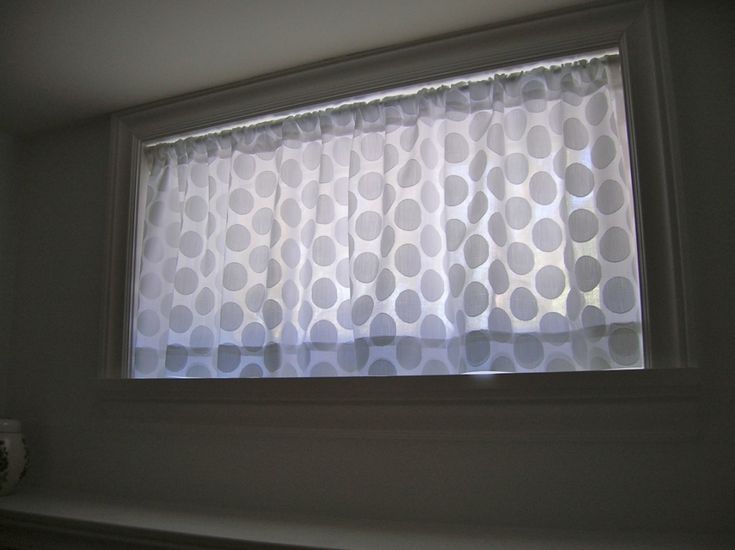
{"type": "Point", "coordinates": [456, 148]}
{"type": "Point", "coordinates": [265, 183]}
{"type": "Point", "coordinates": [517, 212]}
{"type": "Point", "coordinates": [201, 340]}
{"type": "Point", "coordinates": [500, 325]}
{"type": "Point", "coordinates": [208, 264]}
{"type": "Point", "coordinates": [455, 190]}
{"type": "Point", "coordinates": [291, 253]}
{"type": "Point", "coordinates": [389, 195]}
{"type": "Point", "coordinates": [594, 323]}
{"type": "Point", "coordinates": [515, 124]}
{"type": "Point", "coordinates": [180, 319]}
{"type": "Point", "coordinates": [196, 209]}
{"type": "Point", "coordinates": [520, 258]}
{"type": "Point", "coordinates": [534, 96]}
{"type": "Point", "coordinates": [386, 241]}
{"type": "Point", "coordinates": [432, 328]}
{"type": "Point", "coordinates": [254, 297]}
{"type": "Point", "coordinates": [603, 152]}
{"type": "Point", "coordinates": [478, 165]}
{"type": "Point", "coordinates": [587, 271]}
{"type": "Point", "coordinates": [456, 279]}
{"type": "Point", "coordinates": [546, 235]}
{"type": "Point", "coordinates": [362, 308]}
{"type": "Point", "coordinates": [324, 293]}
{"type": "Point", "coordinates": [455, 231]}
{"type": "Point", "coordinates": [191, 244]}
{"type": "Point", "coordinates": [479, 125]}
{"type": "Point", "coordinates": [305, 275]}
{"type": "Point", "coordinates": [272, 357]}
{"type": "Point", "coordinates": [291, 212]}
{"type": "Point", "coordinates": [408, 306]}
{"type": "Point", "coordinates": [306, 313]}
{"type": "Point", "coordinates": [596, 108]}
{"type": "Point", "coordinates": [253, 336]}
{"type": "Point", "coordinates": [614, 245]}
{"type": "Point", "coordinates": [475, 299]}
{"type": "Point", "coordinates": [475, 251]}
{"type": "Point", "coordinates": [176, 357]}
{"type": "Point", "coordinates": [231, 316]}
{"type": "Point", "coordinates": [385, 285]}
{"type": "Point", "coordinates": [408, 260]}
{"type": "Point", "coordinates": [235, 276]}
{"type": "Point", "coordinates": [579, 180]}
{"type": "Point", "coordinates": [624, 346]}
{"type": "Point", "coordinates": [262, 221]}
{"type": "Point", "coordinates": [554, 328]}
{"type": "Point", "coordinates": [258, 258]}
{"type": "Point", "coordinates": [408, 138]}
{"type": "Point", "coordinates": [496, 183]}
{"type": "Point", "coordinates": [370, 185]}
{"type": "Point", "coordinates": [309, 194]}
{"type": "Point", "coordinates": [496, 139]}
{"type": "Point", "coordinates": [538, 142]}
{"type": "Point", "coordinates": [148, 322]}
{"type": "Point", "coordinates": [290, 294]}
{"type": "Point", "coordinates": [290, 173]}
{"type": "Point", "coordinates": [503, 364]}
{"type": "Point", "coordinates": [199, 175]}
{"type": "Point", "coordinates": [409, 174]}
{"type": "Point", "coordinates": [381, 367]}
{"type": "Point", "coordinates": [369, 225]}
{"type": "Point", "coordinates": [574, 304]}
{"type": "Point", "coordinates": [618, 295]}
{"type": "Point", "coordinates": [516, 168]}
{"type": "Point", "coordinates": [324, 209]}
{"type": "Point", "coordinates": [371, 146]}
{"type": "Point", "coordinates": [432, 285]}
{"type": "Point", "coordinates": [204, 301]}
{"type": "Point", "coordinates": [431, 241]}
{"type": "Point", "coordinates": [150, 285]}
{"type": "Point", "coordinates": [583, 225]}
{"type": "Point", "coordinates": [145, 360]}
{"type": "Point", "coordinates": [366, 267]}
{"type": "Point", "coordinates": [523, 304]}
{"type": "Point", "coordinates": [408, 215]}
{"type": "Point", "coordinates": [307, 233]}
{"type": "Point", "coordinates": [609, 197]}
{"type": "Point", "coordinates": [342, 231]}
{"type": "Point", "coordinates": [429, 154]}
{"type": "Point", "coordinates": [543, 188]}
{"type": "Point", "coordinates": [323, 251]}
{"type": "Point", "coordinates": [237, 238]}
{"type": "Point", "coordinates": [477, 207]}
{"type": "Point", "coordinates": [323, 332]}
{"type": "Point", "coordinates": [274, 273]}
{"type": "Point", "coordinates": [272, 314]}
{"type": "Point", "coordinates": [382, 329]}
{"type": "Point", "coordinates": [430, 197]}
{"type": "Point", "coordinates": [550, 282]}
{"type": "Point", "coordinates": [496, 228]}
{"type": "Point", "coordinates": [528, 351]}
{"type": "Point", "coordinates": [244, 166]}
{"type": "Point", "coordinates": [575, 134]}
{"type": "Point", "coordinates": [408, 352]}
{"type": "Point", "coordinates": [228, 358]}
{"type": "Point", "coordinates": [498, 277]}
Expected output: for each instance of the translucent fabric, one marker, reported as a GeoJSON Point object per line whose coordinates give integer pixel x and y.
{"type": "Point", "coordinates": [486, 226]}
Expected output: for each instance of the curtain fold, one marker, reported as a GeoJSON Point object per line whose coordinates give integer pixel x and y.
{"type": "Point", "coordinates": [485, 226]}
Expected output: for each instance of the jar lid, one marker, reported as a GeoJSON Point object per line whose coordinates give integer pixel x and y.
{"type": "Point", "coordinates": [9, 425]}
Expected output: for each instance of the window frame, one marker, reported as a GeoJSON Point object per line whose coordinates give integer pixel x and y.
{"type": "Point", "coordinates": [633, 27]}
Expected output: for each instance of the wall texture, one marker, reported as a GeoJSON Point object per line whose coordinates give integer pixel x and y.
{"type": "Point", "coordinates": [644, 484]}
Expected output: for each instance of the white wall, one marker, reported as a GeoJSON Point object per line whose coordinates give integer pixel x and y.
{"type": "Point", "coordinates": [646, 484]}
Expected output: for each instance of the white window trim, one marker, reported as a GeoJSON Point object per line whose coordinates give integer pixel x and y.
{"type": "Point", "coordinates": [633, 27]}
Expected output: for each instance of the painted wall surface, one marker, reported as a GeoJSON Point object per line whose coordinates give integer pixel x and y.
{"type": "Point", "coordinates": [8, 187]}
{"type": "Point", "coordinates": [209, 462]}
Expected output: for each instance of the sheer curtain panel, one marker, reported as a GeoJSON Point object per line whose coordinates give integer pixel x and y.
{"type": "Point", "coordinates": [483, 226]}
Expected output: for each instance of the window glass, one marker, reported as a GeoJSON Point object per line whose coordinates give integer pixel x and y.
{"type": "Point", "coordinates": [478, 226]}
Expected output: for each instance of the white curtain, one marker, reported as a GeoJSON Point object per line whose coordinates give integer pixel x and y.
{"type": "Point", "coordinates": [486, 226]}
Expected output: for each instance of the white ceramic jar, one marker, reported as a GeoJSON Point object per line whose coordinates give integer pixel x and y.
{"type": "Point", "coordinates": [13, 455]}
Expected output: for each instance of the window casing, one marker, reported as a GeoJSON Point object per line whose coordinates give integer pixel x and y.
{"type": "Point", "coordinates": [626, 26]}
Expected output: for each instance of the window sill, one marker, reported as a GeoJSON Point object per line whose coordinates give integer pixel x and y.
{"type": "Point", "coordinates": [597, 405]}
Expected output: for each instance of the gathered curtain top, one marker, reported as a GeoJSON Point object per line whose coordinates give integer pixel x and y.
{"type": "Point", "coordinates": [533, 89]}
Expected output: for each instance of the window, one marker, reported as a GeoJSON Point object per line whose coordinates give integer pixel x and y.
{"type": "Point", "coordinates": [478, 226]}
{"type": "Point", "coordinates": [421, 258]}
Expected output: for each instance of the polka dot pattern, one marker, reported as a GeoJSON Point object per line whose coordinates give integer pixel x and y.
{"type": "Point", "coordinates": [475, 228]}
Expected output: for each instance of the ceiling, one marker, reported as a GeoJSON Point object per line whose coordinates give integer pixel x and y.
{"type": "Point", "coordinates": [66, 60]}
